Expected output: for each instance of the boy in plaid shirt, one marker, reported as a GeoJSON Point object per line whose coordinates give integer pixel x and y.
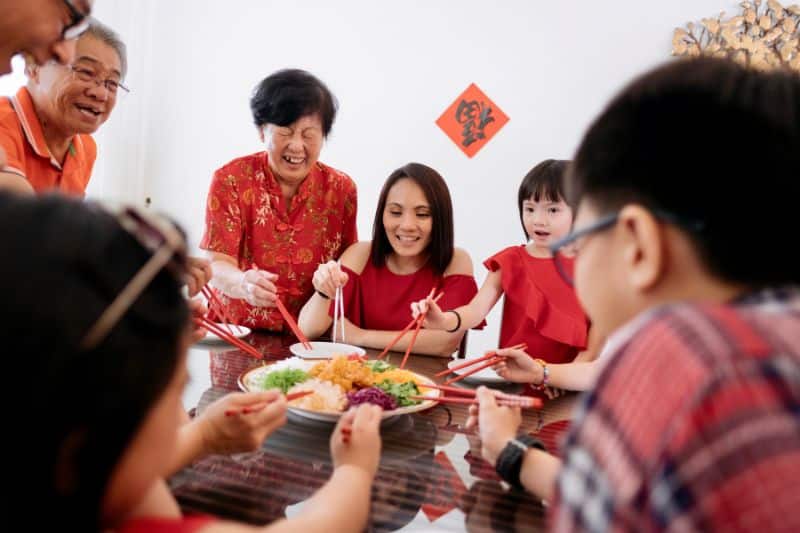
{"type": "Point", "coordinates": [694, 421]}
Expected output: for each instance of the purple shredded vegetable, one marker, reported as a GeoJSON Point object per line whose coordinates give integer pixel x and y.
{"type": "Point", "coordinates": [372, 395]}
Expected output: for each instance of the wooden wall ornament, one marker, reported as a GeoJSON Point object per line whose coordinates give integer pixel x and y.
{"type": "Point", "coordinates": [763, 36]}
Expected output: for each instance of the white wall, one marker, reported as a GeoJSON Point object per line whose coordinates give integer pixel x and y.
{"type": "Point", "coordinates": [395, 67]}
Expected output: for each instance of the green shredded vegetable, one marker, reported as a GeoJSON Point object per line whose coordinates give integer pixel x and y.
{"type": "Point", "coordinates": [379, 366]}
{"type": "Point", "coordinates": [284, 379]}
{"type": "Point", "coordinates": [401, 391]}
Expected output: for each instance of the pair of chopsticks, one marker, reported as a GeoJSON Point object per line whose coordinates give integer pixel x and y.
{"type": "Point", "coordinates": [490, 359]}
{"type": "Point", "coordinates": [225, 335]}
{"type": "Point", "coordinates": [468, 397]}
{"type": "Point", "coordinates": [338, 311]}
{"type": "Point", "coordinates": [289, 319]}
{"type": "Point", "coordinates": [225, 332]}
{"type": "Point", "coordinates": [250, 409]}
{"type": "Point", "coordinates": [414, 322]}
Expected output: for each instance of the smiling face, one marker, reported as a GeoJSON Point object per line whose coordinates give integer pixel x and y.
{"type": "Point", "coordinates": [294, 149]}
{"type": "Point", "coordinates": [407, 219]}
{"type": "Point", "coordinates": [66, 102]}
{"type": "Point", "coordinates": [545, 221]}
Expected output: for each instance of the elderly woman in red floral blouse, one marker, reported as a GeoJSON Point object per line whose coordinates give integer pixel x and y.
{"type": "Point", "coordinates": [273, 216]}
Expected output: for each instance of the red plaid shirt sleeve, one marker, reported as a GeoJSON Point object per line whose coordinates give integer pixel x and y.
{"type": "Point", "coordinates": [693, 426]}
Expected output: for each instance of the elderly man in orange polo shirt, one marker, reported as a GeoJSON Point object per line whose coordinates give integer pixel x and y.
{"type": "Point", "coordinates": [41, 29]}
{"type": "Point", "coordinates": [45, 128]}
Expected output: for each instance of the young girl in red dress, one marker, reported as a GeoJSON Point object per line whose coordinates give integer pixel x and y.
{"type": "Point", "coordinates": [411, 252]}
{"type": "Point", "coordinates": [540, 309]}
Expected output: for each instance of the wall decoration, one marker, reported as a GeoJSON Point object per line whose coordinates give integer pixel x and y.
{"type": "Point", "coordinates": [763, 36]}
{"type": "Point", "coordinates": [472, 120]}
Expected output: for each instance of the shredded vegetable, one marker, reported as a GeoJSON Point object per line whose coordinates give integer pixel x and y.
{"type": "Point", "coordinates": [373, 395]}
{"type": "Point", "coordinates": [401, 391]}
{"type": "Point", "coordinates": [284, 379]}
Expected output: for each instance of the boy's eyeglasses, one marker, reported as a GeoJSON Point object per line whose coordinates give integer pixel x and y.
{"type": "Point", "coordinates": [168, 246]}
{"type": "Point", "coordinates": [78, 23]}
{"type": "Point", "coordinates": [570, 245]}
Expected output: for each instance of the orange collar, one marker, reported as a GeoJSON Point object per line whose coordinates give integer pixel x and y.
{"type": "Point", "coordinates": [26, 112]}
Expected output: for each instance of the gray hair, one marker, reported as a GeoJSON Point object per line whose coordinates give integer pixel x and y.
{"type": "Point", "coordinates": [103, 33]}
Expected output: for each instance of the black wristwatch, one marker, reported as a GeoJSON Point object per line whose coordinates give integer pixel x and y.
{"type": "Point", "coordinates": [509, 462]}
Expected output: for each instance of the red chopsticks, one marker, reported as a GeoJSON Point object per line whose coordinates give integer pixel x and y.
{"type": "Point", "coordinates": [215, 305]}
{"type": "Point", "coordinates": [420, 320]}
{"type": "Point", "coordinates": [289, 398]}
{"type": "Point", "coordinates": [508, 400]}
{"type": "Point", "coordinates": [219, 331]}
{"type": "Point", "coordinates": [292, 324]}
{"type": "Point", "coordinates": [490, 355]}
{"type": "Point", "coordinates": [289, 319]}
{"type": "Point", "coordinates": [414, 321]}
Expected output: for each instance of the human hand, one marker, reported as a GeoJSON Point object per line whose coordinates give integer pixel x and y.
{"type": "Point", "coordinates": [259, 287]}
{"type": "Point", "coordinates": [356, 440]}
{"type": "Point", "coordinates": [328, 277]}
{"type": "Point", "coordinates": [197, 309]}
{"type": "Point", "coordinates": [435, 318]}
{"type": "Point", "coordinates": [519, 367]}
{"type": "Point", "coordinates": [496, 424]}
{"type": "Point", "coordinates": [198, 274]}
{"type": "Point", "coordinates": [241, 421]}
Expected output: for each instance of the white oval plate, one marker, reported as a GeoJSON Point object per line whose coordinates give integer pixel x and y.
{"type": "Point", "coordinates": [246, 380]}
{"type": "Point", "coordinates": [238, 332]}
{"type": "Point", "coordinates": [487, 375]}
{"type": "Point", "coordinates": [325, 350]}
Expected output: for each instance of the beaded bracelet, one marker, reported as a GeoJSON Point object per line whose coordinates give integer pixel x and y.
{"type": "Point", "coordinates": [545, 375]}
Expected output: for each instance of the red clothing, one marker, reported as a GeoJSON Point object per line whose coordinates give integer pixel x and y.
{"type": "Point", "coordinates": [247, 218]}
{"type": "Point", "coordinates": [693, 424]}
{"type": "Point", "coordinates": [381, 300]}
{"type": "Point", "coordinates": [540, 308]}
{"type": "Point", "coordinates": [186, 524]}
{"type": "Point", "coordinates": [27, 154]}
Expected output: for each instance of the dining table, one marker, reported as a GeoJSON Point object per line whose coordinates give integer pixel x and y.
{"type": "Point", "coordinates": [431, 475]}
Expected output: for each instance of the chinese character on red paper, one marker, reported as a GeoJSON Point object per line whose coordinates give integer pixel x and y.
{"type": "Point", "coordinates": [472, 120]}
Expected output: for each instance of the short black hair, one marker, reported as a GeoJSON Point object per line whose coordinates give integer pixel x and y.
{"type": "Point", "coordinates": [704, 139]}
{"type": "Point", "coordinates": [287, 95]}
{"type": "Point", "coordinates": [545, 181]}
{"type": "Point", "coordinates": [95, 399]}
{"type": "Point", "coordinates": [438, 196]}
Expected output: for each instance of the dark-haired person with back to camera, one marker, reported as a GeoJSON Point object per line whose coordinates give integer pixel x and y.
{"type": "Point", "coordinates": [273, 216]}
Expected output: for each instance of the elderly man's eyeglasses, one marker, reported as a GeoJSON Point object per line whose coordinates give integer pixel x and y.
{"type": "Point", "coordinates": [78, 23]}
{"type": "Point", "coordinates": [88, 75]}
{"type": "Point", "coordinates": [569, 246]}
{"type": "Point", "coordinates": [168, 246]}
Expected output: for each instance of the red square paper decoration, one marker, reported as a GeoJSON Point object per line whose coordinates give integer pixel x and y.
{"type": "Point", "coordinates": [472, 120]}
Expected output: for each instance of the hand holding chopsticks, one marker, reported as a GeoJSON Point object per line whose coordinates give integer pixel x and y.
{"type": "Point", "coordinates": [238, 422]}
{"type": "Point", "coordinates": [290, 321]}
{"type": "Point", "coordinates": [488, 360]}
{"type": "Point", "coordinates": [507, 400]}
{"type": "Point", "coordinates": [414, 322]}
{"type": "Point", "coordinates": [253, 408]}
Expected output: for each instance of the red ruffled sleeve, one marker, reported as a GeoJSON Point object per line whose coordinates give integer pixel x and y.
{"type": "Point", "coordinates": [537, 290]}
{"type": "Point", "coordinates": [186, 524]}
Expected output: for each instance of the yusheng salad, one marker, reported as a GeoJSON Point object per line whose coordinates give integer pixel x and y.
{"type": "Point", "coordinates": [340, 383]}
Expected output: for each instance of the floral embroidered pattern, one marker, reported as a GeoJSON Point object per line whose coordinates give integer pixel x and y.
{"type": "Point", "coordinates": [247, 218]}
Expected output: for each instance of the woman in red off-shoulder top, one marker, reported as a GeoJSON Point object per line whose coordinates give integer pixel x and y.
{"type": "Point", "coordinates": [411, 253]}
